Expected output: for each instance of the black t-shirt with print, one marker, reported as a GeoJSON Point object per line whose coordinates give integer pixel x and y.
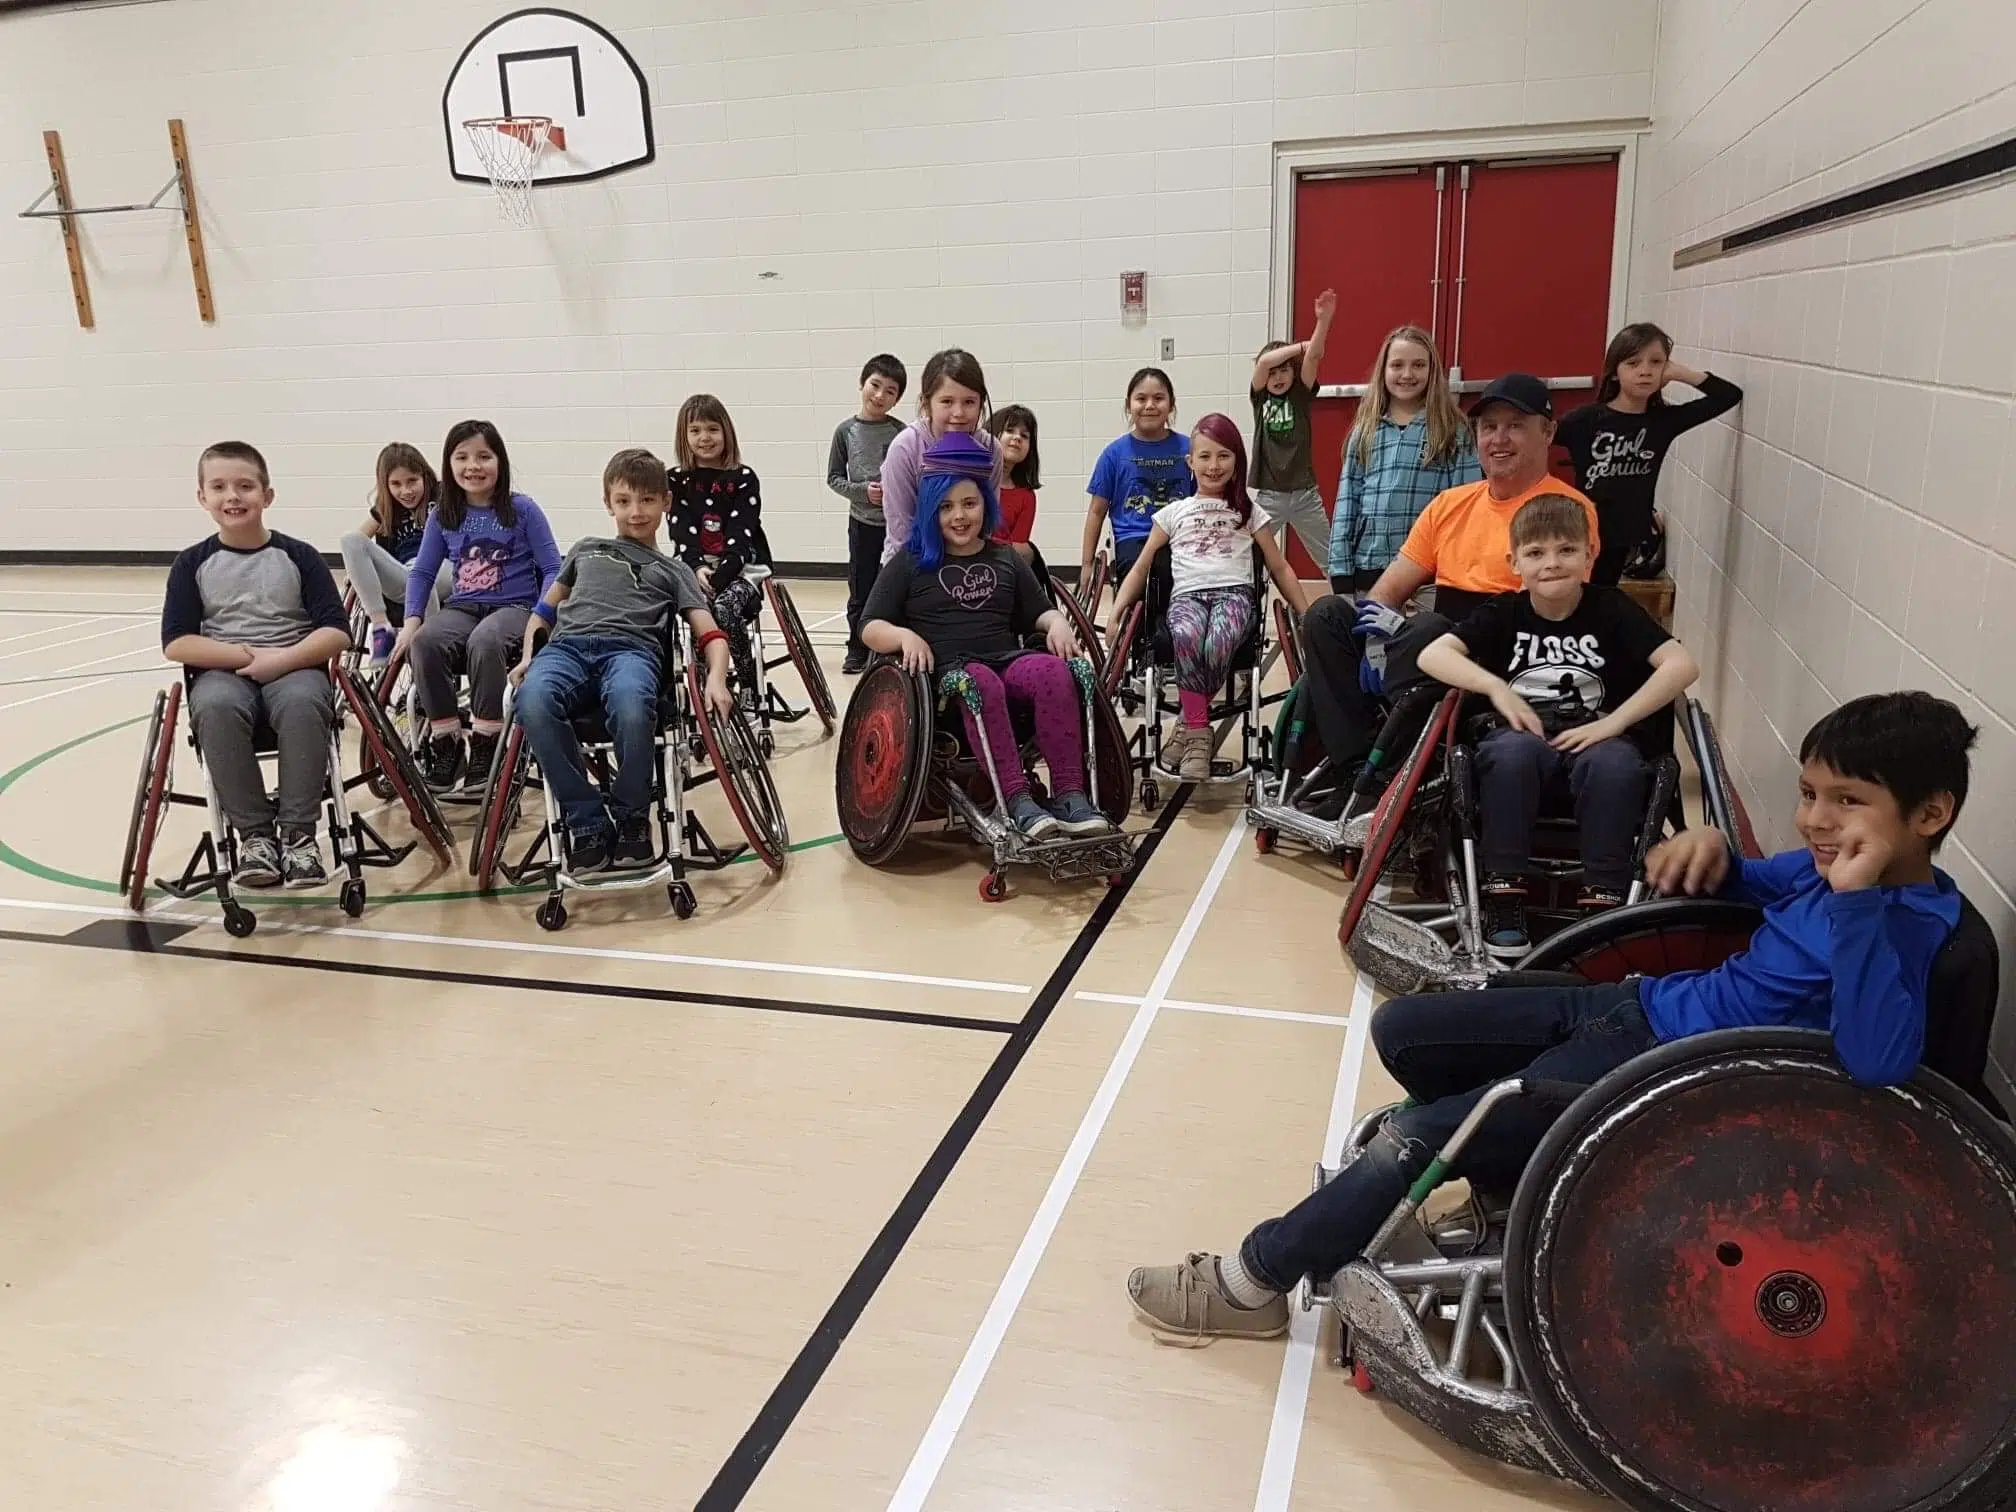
{"type": "Point", "coordinates": [1572, 670]}
{"type": "Point", "coordinates": [973, 608]}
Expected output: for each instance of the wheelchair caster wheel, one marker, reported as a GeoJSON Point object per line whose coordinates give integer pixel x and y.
{"type": "Point", "coordinates": [239, 922]}
{"type": "Point", "coordinates": [1151, 796]}
{"type": "Point", "coordinates": [1361, 1378]}
{"type": "Point", "coordinates": [993, 888]}
{"type": "Point", "coordinates": [552, 915]}
{"type": "Point", "coordinates": [681, 896]}
{"type": "Point", "coordinates": [353, 898]}
{"type": "Point", "coordinates": [1263, 841]}
{"type": "Point", "coordinates": [766, 744]}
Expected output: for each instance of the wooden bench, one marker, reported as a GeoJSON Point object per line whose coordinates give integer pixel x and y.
{"type": "Point", "coordinates": [1654, 596]}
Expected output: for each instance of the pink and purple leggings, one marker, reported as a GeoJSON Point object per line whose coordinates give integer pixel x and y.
{"type": "Point", "coordinates": [1045, 686]}
{"type": "Point", "coordinates": [1206, 628]}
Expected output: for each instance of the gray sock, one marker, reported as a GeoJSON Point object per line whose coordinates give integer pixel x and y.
{"type": "Point", "coordinates": [1240, 1284]}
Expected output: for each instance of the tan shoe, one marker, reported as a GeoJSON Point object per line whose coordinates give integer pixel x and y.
{"type": "Point", "coordinates": [1187, 1304]}
{"type": "Point", "coordinates": [1175, 745]}
{"type": "Point", "coordinates": [1196, 763]}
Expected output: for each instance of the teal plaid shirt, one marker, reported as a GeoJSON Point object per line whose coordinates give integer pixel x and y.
{"type": "Point", "coordinates": [1378, 504]}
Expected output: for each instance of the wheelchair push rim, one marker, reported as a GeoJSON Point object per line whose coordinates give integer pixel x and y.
{"type": "Point", "coordinates": [1119, 653]}
{"type": "Point", "coordinates": [390, 756]}
{"type": "Point", "coordinates": [744, 779]}
{"type": "Point", "coordinates": [150, 795]}
{"type": "Point", "coordinates": [1390, 815]}
{"type": "Point", "coordinates": [1733, 1285]}
{"type": "Point", "coordinates": [502, 795]}
{"type": "Point", "coordinates": [1081, 626]}
{"type": "Point", "coordinates": [1655, 938]}
{"type": "Point", "coordinates": [884, 761]}
{"type": "Point", "coordinates": [799, 646]}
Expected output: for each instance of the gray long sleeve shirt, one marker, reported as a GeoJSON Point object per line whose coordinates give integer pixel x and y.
{"type": "Point", "coordinates": [855, 461]}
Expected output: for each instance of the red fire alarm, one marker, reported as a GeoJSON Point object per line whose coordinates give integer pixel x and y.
{"type": "Point", "coordinates": [1134, 297]}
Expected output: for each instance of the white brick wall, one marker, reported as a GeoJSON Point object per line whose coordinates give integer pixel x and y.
{"type": "Point", "coordinates": [917, 175]}
{"type": "Point", "coordinates": [1851, 529]}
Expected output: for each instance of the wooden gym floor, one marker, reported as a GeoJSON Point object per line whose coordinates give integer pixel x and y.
{"type": "Point", "coordinates": [822, 1199]}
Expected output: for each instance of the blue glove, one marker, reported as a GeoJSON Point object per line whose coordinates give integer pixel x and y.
{"type": "Point", "coordinates": [1372, 670]}
{"type": "Point", "coordinates": [1375, 619]}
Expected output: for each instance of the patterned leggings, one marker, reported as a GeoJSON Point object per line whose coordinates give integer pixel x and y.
{"type": "Point", "coordinates": [1045, 685]}
{"type": "Point", "coordinates": [735, 605]}
{"type": "Point", "coordinates": [1206, 627]}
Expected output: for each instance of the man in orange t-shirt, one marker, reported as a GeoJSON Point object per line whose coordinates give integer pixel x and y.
{"type": "Point", "coordinates": [1461, 543]}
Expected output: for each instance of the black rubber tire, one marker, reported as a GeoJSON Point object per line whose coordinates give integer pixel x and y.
{"type": "Point", "coordinates": [743, 776]}
{"type": "Point", "coordinates": [150, 796]}
{"type": "Point", "coordinates": [552, 915]}
{"type": "Point", "coordinates": [885, 760]}
{"type": "Point", "coordinates": [239, 921]}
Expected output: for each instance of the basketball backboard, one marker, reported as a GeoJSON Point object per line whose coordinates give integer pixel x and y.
{"type": "Point", "coordinates": [551, 63]}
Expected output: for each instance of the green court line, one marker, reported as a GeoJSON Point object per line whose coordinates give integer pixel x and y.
{"type": "Point", "coordinates": [12, 857]}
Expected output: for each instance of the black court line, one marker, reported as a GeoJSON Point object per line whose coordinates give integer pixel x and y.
{"type": "Point", "coordinates": [745, 1462]}
{"type": "Point", "coordinates": [136, 936]}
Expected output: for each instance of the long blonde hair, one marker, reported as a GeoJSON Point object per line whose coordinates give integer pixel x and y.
{"type": "Point", "coordinates": [1447, 429]}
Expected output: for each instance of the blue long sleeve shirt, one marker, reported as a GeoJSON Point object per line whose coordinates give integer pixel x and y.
{"type": "Point", "coordinates": [494, 563]}
{"type": "Point", "coordinates": [1855, 964]}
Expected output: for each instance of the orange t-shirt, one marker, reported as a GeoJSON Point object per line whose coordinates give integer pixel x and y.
{"type": "Point", "coordinates": [1464, 536]}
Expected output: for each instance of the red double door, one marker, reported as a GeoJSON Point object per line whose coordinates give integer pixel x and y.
{"type": "Point", "coordinates": [1506, 264]}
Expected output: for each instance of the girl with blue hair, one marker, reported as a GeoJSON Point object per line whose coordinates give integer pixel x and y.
{"type": "Point", "coordinates": [956, 606]}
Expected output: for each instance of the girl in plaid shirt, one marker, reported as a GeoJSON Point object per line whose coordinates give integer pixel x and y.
{"type": "Point", "coordinates": [1408, 444]}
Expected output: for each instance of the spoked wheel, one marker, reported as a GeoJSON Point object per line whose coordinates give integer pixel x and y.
{"type": "Point", "coordinates": [391, 758]}
{"type": "Point", "coordinates": [1111, 762]}
{"type": "Point", "coordinates": [1122, 648]}
{"type": "Point", "coordinates": [799, 645]}
{"type": "Point", "coordinates": [1390, 816]}
{"type": "Point", "coordinates": [501, 799]}
{"type": "Point", "coordinates": [745, 779]}
{"type": "Point", "coordinates": [1081, 626]}
{"type": "Point", "coordinates": [150, 795]}
{"type": "Point", "coordinates": [386, 690]}
{"type": "Point", "coordinates": [1650, 939]}
{"type": "Point", "coordinates": [1738, 1282]}
{"type": "Point", "coordinates": [884, 765]}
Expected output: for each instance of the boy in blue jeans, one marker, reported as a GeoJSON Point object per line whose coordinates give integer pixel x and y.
{"type": "Point", "coordinates": [255, 616]}
{"type": "Point", "coordinates": [1851, 925]}
{"type": "Point", "coordinates": [608, 611]}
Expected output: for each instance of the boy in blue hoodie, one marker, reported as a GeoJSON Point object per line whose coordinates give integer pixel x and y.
{"type": "Point", "coordinates": [1851, 925]}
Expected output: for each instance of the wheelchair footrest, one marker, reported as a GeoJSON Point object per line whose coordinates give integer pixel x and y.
{"type": "Point", "coordinates": [1080, 857]}
{"type": "Point", "coordinates": [1293, 824]}
{"type": "Point", "coordinates": [1404, 956]}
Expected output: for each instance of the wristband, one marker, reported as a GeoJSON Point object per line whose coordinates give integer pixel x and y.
{"type": "Point", "coordinates": [709, 638]}
{"type": "Point", "coordinates": [546, 612]}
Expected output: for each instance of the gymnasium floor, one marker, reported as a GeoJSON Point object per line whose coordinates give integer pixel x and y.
{"type": "Point", "coordinates": [822, 1199]}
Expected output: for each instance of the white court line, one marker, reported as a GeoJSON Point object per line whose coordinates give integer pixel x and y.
{"type": "Point", "coordinates": [47, 628]}
{"type": "Point", "coordinates": [535, 947]}
{"type": "Point", "coordinates": [930, 1457]}
{"type": "Point", "coordinates": [22, 703]}
{"type": "Point", "coordinates": [1298, 1365]}
{"type": "Point", "coordinates": [822, 624]}
{"type": "Point", "coordinates": [1228, 1010]}
{"type": "Point", "coordinates": [75, 640]}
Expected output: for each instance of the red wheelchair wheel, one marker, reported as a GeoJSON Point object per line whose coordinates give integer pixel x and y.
{"type": "Point", "coordinates": [745, 780]}
{"type": "Point", "coordinates": [799, 645]}
{"type": "Point", "coordinates": [1738, 1282]}
{"type": "Point", "coordinates": [1081, 626]}
{"type": "Point", "coordinates": [1289, 635]}
{"type": "Point", "coordinates": [501, 798]}
{"type": "Point", "coordinates": [1391, 813]}
{"type": "Point", "coordinates": [1122, 648]}
{"type": "Point", "coordinates": [1112, 763]}
{"type": "Point", "coordinates": [150, 796]}
{"type": "Point", "coordinates": [884, 763]}
{"type": "Point", "coordinates": [385, 755]}
{"type": "Point", "coordinates": [1649, 939]}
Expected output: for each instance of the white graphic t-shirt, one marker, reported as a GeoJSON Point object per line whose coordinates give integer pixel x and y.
{"type": "Point", "coordinates": [1208, 547]}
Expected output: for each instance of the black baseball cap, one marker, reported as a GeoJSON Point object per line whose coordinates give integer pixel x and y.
{"type": "Point", "coordinates": [1520, 390]}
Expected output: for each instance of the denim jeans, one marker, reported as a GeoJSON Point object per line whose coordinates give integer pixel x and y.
{"type": "Point", "coordinates": [1609, 782]}
{"type": "Point", "coordinates": [572, 676]}
{"type": "Point", "coordinates": [1446, 1048]}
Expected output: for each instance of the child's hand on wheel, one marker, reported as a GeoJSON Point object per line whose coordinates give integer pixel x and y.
{"type": "Point", "coordinates": [720, 702]}
{"type": "Point", "coordinates": [915, 652]}
{"type": "Point", "coordinates": [1694, 861]}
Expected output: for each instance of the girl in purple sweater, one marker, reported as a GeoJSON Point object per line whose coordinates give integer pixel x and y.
{"type": "Point", "coordinates": [503, 558]}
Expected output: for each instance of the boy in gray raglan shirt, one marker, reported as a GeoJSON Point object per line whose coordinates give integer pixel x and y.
{"type": "Point", "coordinates": [854, 471]}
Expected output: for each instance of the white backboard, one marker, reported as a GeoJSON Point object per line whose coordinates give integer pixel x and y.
{"type": "Point", "coordinates": [551, 63]}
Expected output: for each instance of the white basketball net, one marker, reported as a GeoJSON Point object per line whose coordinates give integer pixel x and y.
{"type": "Point", "coordinates": [509, 149]}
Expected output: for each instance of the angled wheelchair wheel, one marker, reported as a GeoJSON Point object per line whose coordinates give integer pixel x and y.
{"type": "Point", "coordinates": [503, 795]}
{"type": "Point", "coordinates": [150, 795]}
{"type": "Point", "coordinates": [1122, 650]}
{"type": "Point", "coordinates": [1649, 939]}
{"type": "Point", "coordinates": [1738, 1282]}
{"type": "Point", "coordinates": [799, 645]}
{"type": "Point", "coordinates": [1081, 626]}
{"type": "Point", "coordinates": [1719, 808]}
{"type": "Point", "coordinates": [1112, 763]}
{"type": "Point", "coordinates": [1092, 589]}
{"type": "Point", "coordinates": [1288, 635]}
{"type": "Point", "coordinates": [884, 763]}
{"type": "Point", "coordinates": [745, 779]}
{"type": "Point", "coordinates": [388, 755]}
{"type": "Point", "coordinates": [1390, 816]}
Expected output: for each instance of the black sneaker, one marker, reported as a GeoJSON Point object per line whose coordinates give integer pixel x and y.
{"type": "Point", "coordinates": [588, 853]}
{"type": "Point", "coordinates": [301, 860]}
{"type": "Point", "coordinates": [635, 849]}
{"type": "Point", "coordinates": [442, 761]}
{"type": "Point", "coordinates": [856, 662]}
{"type": "Point", "coordinates": [1504, 908]}
{"type": "Point", "coordinates": [1597, 899]}
{"type": "Point", "coordinates": [1031, 818]}
{"type": "Point", "coordinates": [482, 752]}
{"type": "Point", "coordinates": [1075, 814]}
{"type": "Point", "coordinates": [259, 863]}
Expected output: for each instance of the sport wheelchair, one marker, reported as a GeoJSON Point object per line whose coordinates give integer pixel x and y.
{"type": "Point", "coordinates": [354, 844]}
{"type": "Point", "coordinates": [904, 757]}
{"type": "Point", "coordinates": [764, 701]}
{"type": "Point", "coordinates": [1425, 821]}
{"type": "Point", "coordinates": [689, 733]}
{"type": "Point", "coordinates": [1730, 1280]}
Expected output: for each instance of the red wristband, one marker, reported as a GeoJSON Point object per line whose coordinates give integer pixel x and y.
{"type": "Point", "coordinates": [709, 638]}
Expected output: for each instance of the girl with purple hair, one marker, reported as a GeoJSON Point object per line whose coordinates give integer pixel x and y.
{"type": "Point", "coordinates": [1211, 538]}
{"type": "Point", "coordinates": [954, 605]}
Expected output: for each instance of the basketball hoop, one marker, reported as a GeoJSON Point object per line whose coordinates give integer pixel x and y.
{"type": "Point", "coordinates": [509, 148]}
